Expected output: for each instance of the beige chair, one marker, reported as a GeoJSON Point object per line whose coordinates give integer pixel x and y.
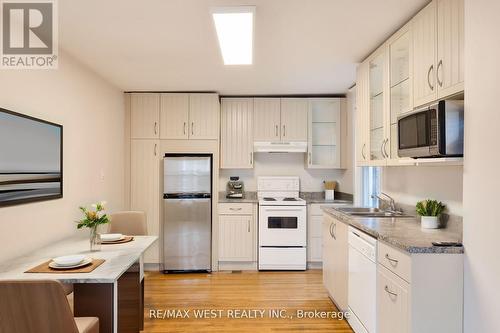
{"type": "Point", "coordinates": [39, 307]}
{"type": "Point", "coordinates": [128, 223]}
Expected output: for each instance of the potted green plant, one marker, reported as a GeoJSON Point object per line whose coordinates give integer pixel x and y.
{"type": "Point", "coordinates": [430, 212]}
{"type": "Point", "coordinates": [92, 219]}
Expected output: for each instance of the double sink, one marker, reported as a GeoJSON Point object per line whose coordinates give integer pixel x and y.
{"type": "Point", "coordinates": [371, 212]}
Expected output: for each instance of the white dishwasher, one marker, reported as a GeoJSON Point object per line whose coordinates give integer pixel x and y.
{"type": "Point", "coordinates": [362, 281]}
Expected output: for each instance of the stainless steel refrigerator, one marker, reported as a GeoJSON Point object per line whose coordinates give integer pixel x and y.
{"type": "Point", "coordinates": [187, 212]}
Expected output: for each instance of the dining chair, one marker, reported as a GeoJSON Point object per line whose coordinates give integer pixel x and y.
{"type": "Point", "coordinates": [128, 223]}
{"type": "Point", "coordinates": [39, 306]}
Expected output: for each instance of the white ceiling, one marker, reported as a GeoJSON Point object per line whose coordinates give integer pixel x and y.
{"type": "Point", "coordinates": [301, 46]}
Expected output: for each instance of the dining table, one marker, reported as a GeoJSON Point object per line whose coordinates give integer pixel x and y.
{"type": "Point", "coordinates": [113, 291]}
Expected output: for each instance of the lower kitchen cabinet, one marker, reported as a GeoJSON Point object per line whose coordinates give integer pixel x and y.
{"type": "Point", "coordinates": [418, 293]}
{"type": "Point", "coordinates": [335, 260]}
{"type": "Point", "coordinates": [237, 236]}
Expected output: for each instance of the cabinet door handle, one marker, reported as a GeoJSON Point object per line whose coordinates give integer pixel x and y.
{"type": "Point", "coordinates": [428, 77]}
{"type": "Point", "coordinates": [391, 260]}
{"type": "Point", "coordinates": [155, 149]}
{"type": "Point", "coordinates": [363, 151]}
{"type": "Point", "coordinates": [330, 230]}
{"type": "Point", "coordinates": [382, 148]}
{"type": "Point", "coordinates": [251, 158]}
{"type": "Point", "coordinates": [440, 64]}
{"type": "Point", "coordinates": [192, 128]}
{"type": "Point", "coordinates": [386, 288]}
{"type": "Point", "coordinates": [239, 208]}
{"type": "Point", "coordinates": [248, 224]}
{"type": "Point", "coordinates": [185, 128]}
{"type": "Point", "coordinates": [334, 230]}
{"type": "Point", "coordinates": [156, 128]}
{"type": "Point", "coordinates": [310, 158]}
{"type": "Point", "coordinates": [385, 148]}
{"type": "Point", "coordinates": [276, 130]}
{"type": "Point", "coordinates": [284, 130]}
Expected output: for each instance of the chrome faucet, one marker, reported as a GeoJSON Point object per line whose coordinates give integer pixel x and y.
{"type": "Point", "coordinates": [389, 201]}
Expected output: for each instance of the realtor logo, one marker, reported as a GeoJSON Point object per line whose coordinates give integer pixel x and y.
{"type": "Point", "coordinates": [29, 34]}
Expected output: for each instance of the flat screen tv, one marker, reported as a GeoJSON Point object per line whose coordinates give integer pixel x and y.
{"type": "Point", "coordinates": [30, 159]}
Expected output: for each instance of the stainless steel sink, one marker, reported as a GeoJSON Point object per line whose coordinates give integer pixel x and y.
{"type": "Point", "coordinates": [370, 212]}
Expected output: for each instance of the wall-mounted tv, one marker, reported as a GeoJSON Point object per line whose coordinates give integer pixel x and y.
{"type": "Point", "coordinates": [30, 159]}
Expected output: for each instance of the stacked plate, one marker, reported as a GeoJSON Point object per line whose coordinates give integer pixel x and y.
{"type": "Point", "coordinates": [110, 238]}
{"type": "Point", "coordinates": [71, 261]}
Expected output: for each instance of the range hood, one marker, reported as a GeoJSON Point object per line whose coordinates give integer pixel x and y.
{"type": "Point", "coordinates": [280, 147]}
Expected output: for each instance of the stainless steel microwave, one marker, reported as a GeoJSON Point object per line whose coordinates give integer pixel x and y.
{"type": "Point", "coordinates": [434, 131]}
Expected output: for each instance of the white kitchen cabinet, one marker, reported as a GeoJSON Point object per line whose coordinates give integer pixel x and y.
{"type": "Point", "coordinates": [145, 188]}
{"type": "Point", "coordinates": [438, 42]}
{"type": "Point", "coordinates": [412, 300]}
{"type": "Point", "coordinates": [144, 116]}
{"type": "Point", "coordinates": [267, 119]}
{"type": "Point", "coordinates": [174, 116]}
{"type": "Point", "coordinates": [424, 48]}
{"type": "Point", "coordinates": [294, 119]}
{"type": "Point", "coordinates": [204, 110]}
{"type": "Point", "coordinates": [237, 234]}
{"type": "Point", "coordinates": [335, 260]}
{"type": "Point", "coordinates": [362, 115]}
{"type": "Point", "coordinates": [450, 47]}
{"type": "Point", "coordinates": [393, 315]}
{"type": "Point", "coordinates": [189, 116]}
{"type": "Point", "coordinates": [324, 133]}
{"type": "Point", "coordinates": [236, 133]}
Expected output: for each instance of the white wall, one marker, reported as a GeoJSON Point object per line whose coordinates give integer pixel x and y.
{"type": "Point", "coordinates": [92, 113]}
{"type": "Point", "coordinates": [481, 180]}
{"type": "Point", "coordinates": [410, 184]}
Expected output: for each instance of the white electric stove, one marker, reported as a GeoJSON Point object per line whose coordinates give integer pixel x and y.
{"type": "Point", "coordinates": [282, 224]}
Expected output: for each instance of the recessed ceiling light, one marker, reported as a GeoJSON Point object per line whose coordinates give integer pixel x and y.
{"type": "Point", "coordinates": [234, 26]}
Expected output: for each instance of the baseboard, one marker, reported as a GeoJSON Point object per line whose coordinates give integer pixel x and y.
{"type": "Point", "coordinates": [151, 267]}
{"type": "Point", "coordinates": [237, 266]}
{"type": "Point", "coordinates": [314, 265]}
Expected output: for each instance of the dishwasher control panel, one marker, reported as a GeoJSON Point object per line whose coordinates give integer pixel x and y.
{"type": "Point", "coordinates": [363, 243]}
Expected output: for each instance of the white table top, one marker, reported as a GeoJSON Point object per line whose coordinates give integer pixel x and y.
{"type": "Point", "coordinates": [119, 257]}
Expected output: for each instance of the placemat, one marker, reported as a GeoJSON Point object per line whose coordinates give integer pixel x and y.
{"type": "Point", "coordinates": [44, 268]}
{"type": "Point", "coordinates": [124, 240]}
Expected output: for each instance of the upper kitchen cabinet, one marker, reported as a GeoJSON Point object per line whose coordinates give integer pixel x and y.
{"type": "Point", "coordinates": [362, 114]}
{"type": "Point", "coordinates": [204, 112]}
{"type": "Point", "coordinates": [325, 129]}
{"type": "Point", "coordinates": [144, 116]}
{"type": "Point", "coordinates": [438, 42]}
{"type": "Point", "coordinates": [294, 119]}
{"type": "Point", "coordinates": [267, 119]}
{"type": "Point", "coordinates": [450, 47]}
{"type": "Point", "coordinates": [236, 133]}
{"type": "Point", "coordinates": [174, 116]}
{"type": "Point", "coordinates": [379, 134]}
{"type": "Point", "coordinates": [189, 116]}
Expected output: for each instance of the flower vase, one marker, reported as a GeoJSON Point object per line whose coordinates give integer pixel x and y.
{"type": "Point", "coordinates": [95, 240]}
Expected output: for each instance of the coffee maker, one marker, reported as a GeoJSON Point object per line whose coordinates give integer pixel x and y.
{"type": "Point", "coordinates": [234, 188]}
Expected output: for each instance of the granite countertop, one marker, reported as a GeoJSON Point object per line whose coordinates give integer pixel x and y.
{"type": "Point", "coordinates": [403, 233]}
{"type": "Point", "coordinates": [309, 197]}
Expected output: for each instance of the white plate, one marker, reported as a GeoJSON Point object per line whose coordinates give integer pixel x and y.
{"type": "Point", "coordinates": [111, 237]}
{"type": "Point", "coordinates": [84, 262]}
{"type": "Point", "coordinates": [70, 260]}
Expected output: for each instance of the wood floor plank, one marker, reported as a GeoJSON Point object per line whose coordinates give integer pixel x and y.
{"type": "Point", "coordinates": [290, 291]}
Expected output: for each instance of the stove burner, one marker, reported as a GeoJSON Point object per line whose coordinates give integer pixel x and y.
{"type": "Point", "coordinates": [290, 199]}
{"type": "Point", "coordinates": [269, 199]}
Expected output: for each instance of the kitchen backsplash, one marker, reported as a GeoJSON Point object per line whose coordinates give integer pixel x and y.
{"type": "Point", "coordinates": [291, 164]}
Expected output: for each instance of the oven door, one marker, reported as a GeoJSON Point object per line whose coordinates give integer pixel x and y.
{"type": "Point", "coordinates": [417, 133]}
{"type": "Point", "coordinates": [282, 226]}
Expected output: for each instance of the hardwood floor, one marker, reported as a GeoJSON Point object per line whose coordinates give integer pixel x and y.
{"type": "Point", "coordinates": [228, 292]}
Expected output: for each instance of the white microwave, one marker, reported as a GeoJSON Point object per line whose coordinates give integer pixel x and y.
{"type": "Point", "coordinates": [434, 131]}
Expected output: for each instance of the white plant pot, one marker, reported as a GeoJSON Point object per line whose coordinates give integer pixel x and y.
{"type": "Point", "coordinates": [429, 222]}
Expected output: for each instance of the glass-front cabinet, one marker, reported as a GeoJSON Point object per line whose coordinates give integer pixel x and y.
{"type": "Point", "coordinates": [378, 106]}
{"type": "Point", "coordinates": [324, 149]}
